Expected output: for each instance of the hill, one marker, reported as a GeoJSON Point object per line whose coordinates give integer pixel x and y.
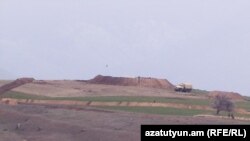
{"type": "Point", "coordinates": [14, 84]}
{"type": "Point", "coordinates": [231, 95]}
{"type": "Point", "coordinates": [138, 81]}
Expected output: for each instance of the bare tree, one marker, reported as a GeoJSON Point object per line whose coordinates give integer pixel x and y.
{"type": "Point", "coordinates": [223, 103]}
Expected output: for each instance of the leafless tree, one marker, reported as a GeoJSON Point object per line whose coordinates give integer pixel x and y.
{"type": "Point", "coordinates": [223, 103]}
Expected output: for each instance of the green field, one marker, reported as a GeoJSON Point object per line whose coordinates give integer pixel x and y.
{"type": "Point", "coordinates": [18, 95]}
{"type": "Point", "coordinates": [203, 102]}
{"type": "Point", "coordinates": [157, 110]}
{"type": "Point", "coordinates": [244, 105]}
{"type": "Point", "coordinates": [154, 110]}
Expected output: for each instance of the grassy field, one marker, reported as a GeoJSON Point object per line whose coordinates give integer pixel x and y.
{"type": "Point", "coordinates": [158, 110]}
{"type": "Point", "coordinates": [169, 111]}
{"type": "Point", "coordinates": [244, 105]}
{"type": "Point", "coordinates": [203, 102]}
{"type": "Point", "coordinates": [153, 110]}
{"type": "Point", "coordinates": [18, 95]}
{"type": "Point", "coordinates": [199, 92]}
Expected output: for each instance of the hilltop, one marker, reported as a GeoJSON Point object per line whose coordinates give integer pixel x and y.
{"type": "Point", "coordinates": [104, 107]}
{"type": "Point", "coordinates": [138, 81]}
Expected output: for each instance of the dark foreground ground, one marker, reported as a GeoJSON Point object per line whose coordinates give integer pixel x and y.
{"type": "Point", "coordinates": [42, 123]}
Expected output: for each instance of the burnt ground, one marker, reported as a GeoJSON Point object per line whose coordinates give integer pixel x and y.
{"type": "Point", "coordinates": [40, 123]}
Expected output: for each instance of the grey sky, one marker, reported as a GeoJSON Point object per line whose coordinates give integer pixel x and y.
{"type": "Point", "coordinates": [202, 42]}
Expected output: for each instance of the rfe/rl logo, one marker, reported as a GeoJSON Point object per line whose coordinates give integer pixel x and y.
{"type": "Point", "coordinates": [226, 132]}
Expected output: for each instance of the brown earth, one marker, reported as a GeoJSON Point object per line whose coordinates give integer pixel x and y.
{"type": "Point", "coordinates": [19, 82]}
{"type": "Point", "coordinates": [40, 123]}
{"type": "Point", "coordinates": [138, 81]}
{"type": "Point", "coordinates": [231, 95]}
{"type": "Point", "coordinates": [71, 88]}
{"type": "Point", "coordinates": [66, 88]}
{"type": "Point", "coordinates": [47, 121]}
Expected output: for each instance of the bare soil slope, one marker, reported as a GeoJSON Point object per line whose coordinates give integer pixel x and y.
{"type": "Point", "coordinates": [231, 95]}
{"type": "Point", "coordinates": [138, 81]}
{"type": "Point", "coordinates": [72, 88]}
{"type": "Point", "coordinates": [19, 82]}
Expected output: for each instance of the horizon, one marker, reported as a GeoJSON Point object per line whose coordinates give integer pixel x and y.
{"type": "Point", "coordinates": [205, 43]}
{"type": "Point", "coordinates": [123, 77]}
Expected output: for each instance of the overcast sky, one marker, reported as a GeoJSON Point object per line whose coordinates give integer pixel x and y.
{"type": "Point", "coordinates": [202, 42]}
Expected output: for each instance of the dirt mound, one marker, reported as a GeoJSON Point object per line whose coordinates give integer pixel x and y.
{"type": "Point", "coordinates": [138, 81]}
{"type": "Point", "coordinates": [231, 95]}
{"type": "Point", "coordinates": [14, 84]}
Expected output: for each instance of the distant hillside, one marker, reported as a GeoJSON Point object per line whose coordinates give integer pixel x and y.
{"type": "Point", "coordinates": [231, 95]}
{"type": "Point", "coordinates": [138, 81]}
{"type": "Point", "coordinates": [19, 82]}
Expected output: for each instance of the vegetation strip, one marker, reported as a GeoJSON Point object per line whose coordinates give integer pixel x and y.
{"type": "Point", "coordinates": [98, 103]}
{"type": "Point", "coordinates": [158, 110]}
{"type": "Point", "coordinates": [242, 107]}
{"type": "Point", "coordinates": [202, 102]}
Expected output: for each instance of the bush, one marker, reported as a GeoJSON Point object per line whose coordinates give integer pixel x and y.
{"type": "Point", "coordinates": [223, 103]}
